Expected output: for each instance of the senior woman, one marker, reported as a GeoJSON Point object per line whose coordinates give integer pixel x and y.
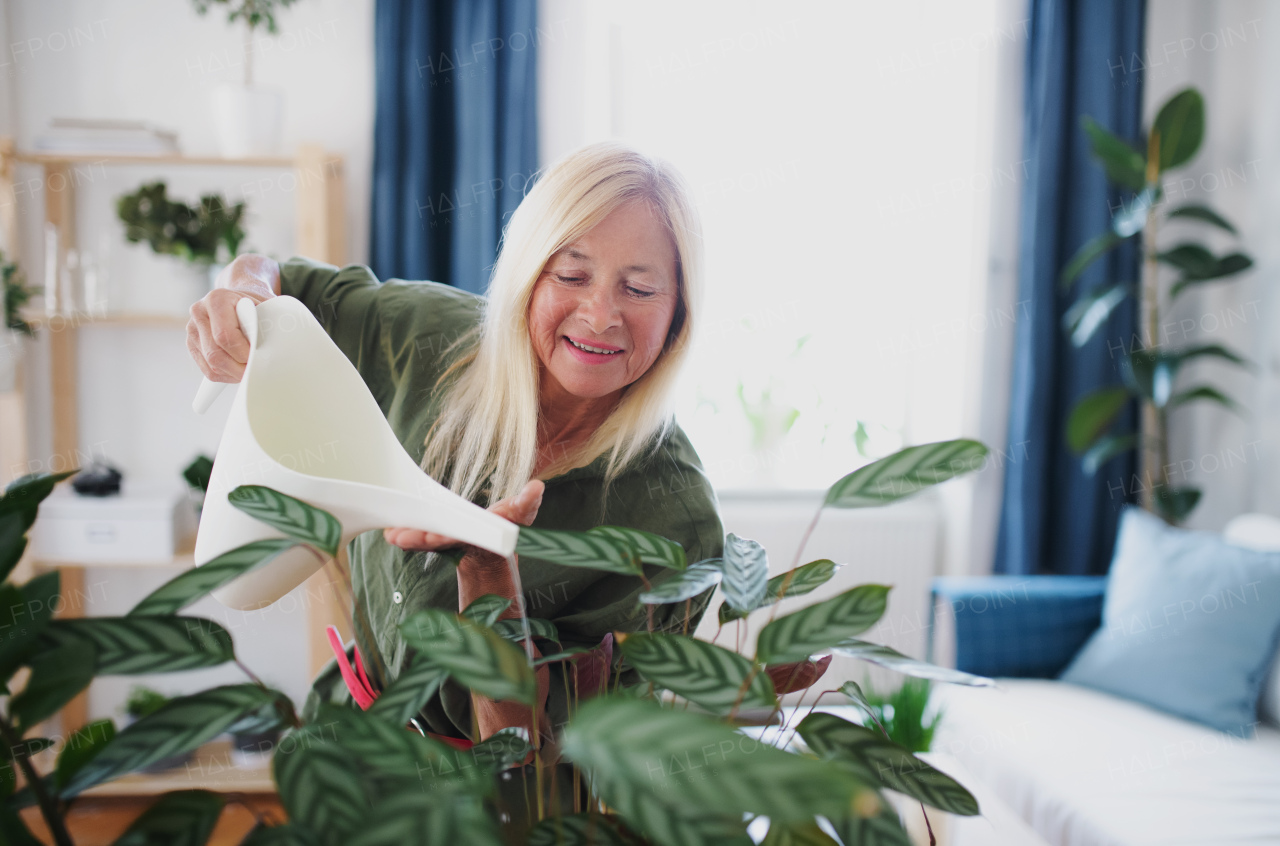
{"type": "Point", "coordinates": [546, 402]}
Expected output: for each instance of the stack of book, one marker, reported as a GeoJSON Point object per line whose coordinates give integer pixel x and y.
{"type": "Point", "coordinates": [89, 135]}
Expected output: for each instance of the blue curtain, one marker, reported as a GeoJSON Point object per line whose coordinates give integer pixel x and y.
{"type": "Point", "coordinates": [1083, 57]}
{"type": "Point", "coordinates": [455, 134]}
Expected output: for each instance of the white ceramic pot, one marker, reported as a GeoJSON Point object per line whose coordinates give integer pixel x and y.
{"type": "Point", "coordinates": [247, 119]}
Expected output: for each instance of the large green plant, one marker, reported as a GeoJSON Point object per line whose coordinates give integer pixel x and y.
{"type": "Point", "coordinates": [1150, 367]}
{"type": "Point", "coordinates": [204, 233]}
{"type": "Point", "coordinates": [664, 761]}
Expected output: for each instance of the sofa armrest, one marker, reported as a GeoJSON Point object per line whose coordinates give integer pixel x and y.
{"type": "Point", "coordinates": [1019, 626]}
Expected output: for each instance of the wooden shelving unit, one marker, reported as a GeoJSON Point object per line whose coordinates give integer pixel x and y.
{"type": "Point", "coordinates": [320, 235]}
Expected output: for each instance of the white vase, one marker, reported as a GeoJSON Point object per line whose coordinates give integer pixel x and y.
{"type": "Point", "coordinates": [247, 119]}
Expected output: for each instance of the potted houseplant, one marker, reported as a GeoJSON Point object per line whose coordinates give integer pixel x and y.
{"type": "Point", "coordinates": [654, 772]}
{"type": "Point", "coordinates": [16, 294]}
{"type": "Point", "coordinates": [246, 115]}
{"type": "Point", "coordinates": [204, 236]}
{"type": "Point", "coordinates": [197, 475]}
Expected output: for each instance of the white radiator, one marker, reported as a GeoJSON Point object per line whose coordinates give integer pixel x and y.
{"type": "Point", "coordinates": [899, 545]}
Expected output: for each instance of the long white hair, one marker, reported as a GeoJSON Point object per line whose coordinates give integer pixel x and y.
{"type": "Point", "coordinates": [484, 440]}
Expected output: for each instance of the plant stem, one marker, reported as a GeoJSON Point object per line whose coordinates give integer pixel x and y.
{"type": "Point", "coordinates": [786, 581]}
{"type": "Point", "coordinates": [48, 805]}
{"type": "Point", "coordinates": [1155, 455]}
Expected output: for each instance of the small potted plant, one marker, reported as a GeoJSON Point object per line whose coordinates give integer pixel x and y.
{"type": "Point", "coordinates": [205, 235]}
{"type": "Point", "coordinates": [197, 475]}
{"type": "Point", "coordinates": [247, 116]}
{"type": "Point", "coordinates": [16, 294]}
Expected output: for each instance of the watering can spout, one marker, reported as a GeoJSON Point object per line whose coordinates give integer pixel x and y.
{"type": "Point", "coordinates": [304, 423]}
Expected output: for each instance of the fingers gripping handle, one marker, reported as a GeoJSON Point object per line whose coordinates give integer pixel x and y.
{"type": "Point", "coordinates": [209, 390]}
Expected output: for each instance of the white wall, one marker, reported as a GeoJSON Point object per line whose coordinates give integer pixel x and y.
{"type": "Point", "coordinates": [157, 60]}
{"type": "Point", "coordinates": [1231, 52]}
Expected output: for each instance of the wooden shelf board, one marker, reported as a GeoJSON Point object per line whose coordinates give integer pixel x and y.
{"type": "Point", "coordinates": [40, 319]}
{"type": "Point", "coordinates": [143, 159]}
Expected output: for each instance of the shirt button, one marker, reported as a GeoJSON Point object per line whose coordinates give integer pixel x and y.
{"type": "Point", "coordinates": [397, 597]}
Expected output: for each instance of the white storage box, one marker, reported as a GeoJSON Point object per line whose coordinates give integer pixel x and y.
{"type": "Point", "coordinates": [144, 524]}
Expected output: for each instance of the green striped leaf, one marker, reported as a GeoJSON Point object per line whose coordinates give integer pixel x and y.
{"type": "Point", "coordinates": [476, 657]}
{"type": "Point", "coordinates": [806, 833]}
{"type": "Point", "coordinates": [905, 472]}
{"type": "Point", "coordinates": [485, 610]}
{"type": "Point", "coordinates": [293, 517]}
{"type": "Point", "coordinates": [578, 830]}
{"type": "Point", "coordinates": [186, 588]}
{"type": "Point", "coordinates": [409, 693]}
{"type": "Point", "coordinates": [178, 727]}
{"type": "Point", "coordinates": [504, 748]}
{"type": "Point", "coordinates": [180, 818]}
{"type": "Point", "coordinates": [279, 835]}
{"type": "Point", "coordinates": [57, 675]}
{"type": "Point", "coordinates": [877, 760]}
{"type": "Point", "coordinates": [746, 573]}
{"type": "Point", "coordinates": [652, 549]}
{"type": "Point", "coordinates": [320, 782]}
{"type": "Point", "coordinates": [803, 579]}
{"type": "Point", "coordinates": [701, 672]}
{"type": "Point", "coordinates": [511, 629]}
{"type": "Point", "coordinates": [686, 584]}
{"type": "Point", "coordinates": [411, 817]}
{"type": "Point", "coordinates": [642, 758]}
{"type": "Point", "coordinates": [796, 636]}
{"type": "Point", "coordinates": [881, 828]}
{"type": "Point", "coordinates": [81, 746]}
{"type": "Point", "coordinates": [892, 659]}
{"type": "Point", "coordinates": [592, 551]}
{"type": "Point", "coordinates": [135, 645]}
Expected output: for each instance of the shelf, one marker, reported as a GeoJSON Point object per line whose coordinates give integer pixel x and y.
{"type": "Point", "coordinates": [40, 319]}
{"type": "Point", "coordinates": [144, 159]}
{"type": "Point", "coordinates": [184, 559]}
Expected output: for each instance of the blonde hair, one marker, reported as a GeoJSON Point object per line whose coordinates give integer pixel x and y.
{"type": "Point", "coordinates": [484, 439]}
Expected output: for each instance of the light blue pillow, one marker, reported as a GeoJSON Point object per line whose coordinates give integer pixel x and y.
{"type": "Point", "coordinates": [1189, 624]}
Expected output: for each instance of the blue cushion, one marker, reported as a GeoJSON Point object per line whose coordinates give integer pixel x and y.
{"type": "Point", "coordinates": [1189, 624]}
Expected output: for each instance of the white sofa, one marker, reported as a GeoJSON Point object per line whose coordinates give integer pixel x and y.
{"type": "Point", "coordinates": [1086, 768]}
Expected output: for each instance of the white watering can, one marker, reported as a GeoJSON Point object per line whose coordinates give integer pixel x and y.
{"type": "Point", "coordinates": [304, 423]}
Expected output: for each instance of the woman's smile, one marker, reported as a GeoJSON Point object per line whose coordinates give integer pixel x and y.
{"type": "Point", "coordinates": [592, 352]}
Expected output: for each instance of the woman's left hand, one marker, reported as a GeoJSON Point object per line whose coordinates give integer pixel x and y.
{"type": "Point", "coordinates": [521, 508]}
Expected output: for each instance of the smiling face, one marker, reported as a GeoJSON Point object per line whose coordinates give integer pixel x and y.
{"type": "Point", "coordinates": [603, 305]}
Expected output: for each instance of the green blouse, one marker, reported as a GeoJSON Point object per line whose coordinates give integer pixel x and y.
{"type": "Point", "coordinates": [399, 336]}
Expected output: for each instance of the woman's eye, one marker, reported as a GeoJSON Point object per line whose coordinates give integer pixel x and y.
{"type": "Point", "coordinates": [570, 278]}
{"type": "Point", "coordinates": [640, 292]}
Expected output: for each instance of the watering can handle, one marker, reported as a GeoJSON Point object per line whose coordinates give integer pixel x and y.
{"type": "Point", "coordinates": [210, 390]}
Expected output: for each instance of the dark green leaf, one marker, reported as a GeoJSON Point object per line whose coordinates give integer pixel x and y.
{"type": "Point", "coordinates": [410, 817]}
{"type": "Point", "coordinates": [476, 657]}
{"type": "Point", "coordinates": [1174, 504]}
{"type": "Point", "coordinates": [1192, 211]}
{"type": "Point", "coordinates": [1194, 260]}
{"type": "Point", "coordinates": [412, 689]}
{"type": "Point", "coordinates": [796, 636]}
{"type": "Point", "coordinates": [1123, 164]}
{"type": "Point", "coordinates": [502, 749]}
{"type": "Point", "coordinates": [1208, 351]}
{"type": "Point", "coordinates": [1132, 217]}
{"type": "Point", "coordinates": [652, 764]}
{"type": "Point", "coordinates": [186, 588]}
{"type": "Point", "coordinates": [181, 818]}
{"type": "Point", "coordinates": [801, 580]}
{"type": "Point", "coordinates": [8, 779]}
{"type": "Point", "coordinates": [293, 517]}
{"type": "Point", "coordinates": [56, 677]}
{"type": "Point", "coordinates": [1228, 265]}
{"type": "Point", "coordinates": [134, 645]}
{"type": "Point", "coordinates": [26, 613]}
{"type": "Point", "coordinates": [1180, 124]}
{"type": "Point", "coordinates": [687, 584]}
{"type": "Point", "coordinates": [13, 831]}
{"type": "Point", "coordinates": [320, 782]}
{"type": "Point", "coordinates": [25, 493]}
{"type": "Point", "coordinates": [178, 727]}
{"type": "Point", "coordinates": [1087, 254]}
{"type": "Point", "coordinates": [746, 573]}
{"type": "Point", "coordinates": [485, 610]}
{"type": "Point", "coordinates": [801, 833]}
{"type": "Point", "coordinates": [652, 549]}
{"type": "Point", "coordinates": [892, 659]}
{"type": "Point", "coordinates": [1150, 373]}
{"type": "Point", "coordinates": [593, 551]}
{"type": "Point", "coordinates": [701, 672]}
{"type": "Point", "coordinates": [80, 748]}
{"type": "Point", "coordinates": [1107, 448]}
{"type": "Point", "coordinates": [1205, 392]}
{"type": "Point", "coordinates": [905, 472]}
{"type": "Point", "coordinates": [1093, 415]}
{"type": "Point", "coordinates": [511, 629]}
{"type": "Point", "coordinates": [874, 758]}
{"type": "Point", "coordinates": [578, 830]}
{"type": "Point", "coordinates": [880, 828]}
{"type": "Point", "coordinates": [1091, 311]}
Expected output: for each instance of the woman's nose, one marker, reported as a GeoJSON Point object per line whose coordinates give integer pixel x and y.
{"type": "Point", "coordinates": [600, 308]}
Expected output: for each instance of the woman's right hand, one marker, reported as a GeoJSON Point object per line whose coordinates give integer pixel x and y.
{"type": "Point", "coordinates": [214, 338]}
